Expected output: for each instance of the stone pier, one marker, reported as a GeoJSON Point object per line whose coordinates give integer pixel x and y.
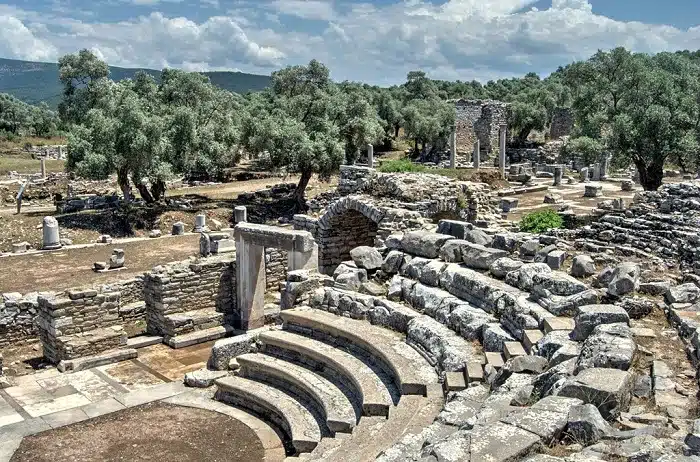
{"type": "Point", "coordinates": [502, 151]}
{"type": "Point", "coordinates": [251, 241]}
{"type": "Point", "coordinates": [558, 174]}
{"type": "Point", "coordinates": [51, 239]}
{"type": "Point", "coordinates": [240, 214]}
{"type": "Point", "coordinates": [477, 155]}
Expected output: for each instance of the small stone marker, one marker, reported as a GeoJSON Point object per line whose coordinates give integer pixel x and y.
{"type": "Point", "coordinates": [240, 214]}
{"type": "Point", "coordinates": [20, 247]}
{"type": "Point", "coordinates": [556, 258]}
{"type": "Point", "coordinates": [178, 228]}
{"type": "Point", "coordinates": [593, 191]}
{"type": "Point", "coordinates": [200, 222]}
{"type": "Point", "coordinates": [51, 239]}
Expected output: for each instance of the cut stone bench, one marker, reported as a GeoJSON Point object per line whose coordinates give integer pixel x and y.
{"type": "Point", "coordinates": [374, 396]}
{"type": "Point", "coordinates": [90, 343]}
{"type": "Point", "coordinates": [190, 321]}
{"type": "Point", "coordinates": [403, 362]}
{"type": "Point", "coordinates": [293, 418]}
{"type": "Point", "coordinates": [337, 409]}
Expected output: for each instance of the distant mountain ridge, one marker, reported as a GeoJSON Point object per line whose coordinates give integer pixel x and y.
{"type": "Point", "coordinates": [35, 82]}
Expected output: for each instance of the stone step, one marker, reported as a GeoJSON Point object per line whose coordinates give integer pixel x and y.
{"type": "Point", "coordinates": [530, 339]}
{"type": "Point", "coordinates": [337, 409]}
{"type": "Point", "coordinates": [558, 323]}
{"type": "Point", "coordinates": [376, 341]}
{"type": "Point", "coordinates": [189, 321]}
{"type": "Point", "coordinates": [299, 426]}
{"type": "Point", "coordinates": [374, 435]}
{"type": "Point", "coordinates": [199, 336]}
{"type": "Point", "coordinates": [513, 349]}
{"type": "Point", "coordinates": [143, 341]}
{"type": "Point", "coordinates": [375, 398]}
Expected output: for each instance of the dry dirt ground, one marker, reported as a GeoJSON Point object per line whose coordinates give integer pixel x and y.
{"type": "Point", "coordinates": [153, 432]}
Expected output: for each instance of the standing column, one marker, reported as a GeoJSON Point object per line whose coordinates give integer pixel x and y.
{"type": "Point", "coordinates": [453, 149]}
{"type": "Point", "coordinates": [502, 151]}
{"type": "Point", "coordinates": [558, 174]}
{"type": "Point", "coordinates": [200, 222]}
{"type": "Point", "coordinates": [477, 154]}
{"type": "Point", "coordinates": [43, 167]}
{"type": "Point", "coordinates": [596, 172]}
{"type": "Point", "coordinates": [51, 239]}
{"type": "Point", "coordinates": [370, 156]}
{"type": "Point", "coordinates": [240, 214]}
{"type": "Point", "coordinates": [250, 277]}
{"type": "Point", "coordinates": [60, 152]}
{"type": "Point", "coordinates": [604, 165]}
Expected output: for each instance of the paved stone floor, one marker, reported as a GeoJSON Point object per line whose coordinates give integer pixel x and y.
{"type": "Point", "coordinates": [53, 397]}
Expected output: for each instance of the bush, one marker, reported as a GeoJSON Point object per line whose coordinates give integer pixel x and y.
{"type": "Point", "coordinates": [400, 165]}
{"type": "Point", "coordinates": [537, 222]}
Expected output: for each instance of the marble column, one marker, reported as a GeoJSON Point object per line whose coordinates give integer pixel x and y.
{"type": "Point", "coordinates": [51, 239]}
{"type": "Point", "coordinates": [200, 222]}
{"type": "Point", "coordinates": [370, 156]}
{"type": "Point", "coordinates": [477, 155]}
{"type": "Point", "coordinates": [502, 151]}
{"type": "Point", "coordinates": [250, 277]}
{"type": "Point", "coordinates": [453, 149]}
{"type": "Point", "coordinates": [43, 167]}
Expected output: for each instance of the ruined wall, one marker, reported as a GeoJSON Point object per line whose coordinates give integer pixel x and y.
{"type": "Point", "coordinates": [17, 315]}
{"type": "Point", "coordinates": [56, 151]}
{"type": "Point", "coordinates": [346, 231]}
{"type": "Point", "coordinates": [562, 123]}
{"type": "Point", "coordinates": [64, 317]}
{"type": "Point", "coordinates": [478, 119]}
{"type": "Point", "coordinates": [208, 283]}
{"type": "Point", "coordinates": [276, 264]}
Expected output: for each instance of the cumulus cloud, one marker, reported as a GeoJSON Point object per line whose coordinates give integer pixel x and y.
{"type": "Point", "coordinates": [378, 43]}
{"type": "Point", "coordinates": [17, 41]}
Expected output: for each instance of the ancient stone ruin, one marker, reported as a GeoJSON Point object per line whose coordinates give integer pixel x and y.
{"type": "Point", "coordinates": [415, 323]}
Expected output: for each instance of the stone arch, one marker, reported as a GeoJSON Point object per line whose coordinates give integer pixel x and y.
{"type": "Point", "coordinates": [348, 223]}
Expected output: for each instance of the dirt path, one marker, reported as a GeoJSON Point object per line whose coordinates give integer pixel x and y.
{"type": "Point", "coordinates": [54, 271]}
{"type": "Point", "coordinates": [151, 432]}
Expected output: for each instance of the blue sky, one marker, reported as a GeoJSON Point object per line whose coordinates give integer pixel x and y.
{"type": "Point", "coordinates": [376, 41]}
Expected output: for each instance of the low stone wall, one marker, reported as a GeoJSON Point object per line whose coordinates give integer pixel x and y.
{"type": "Point", "coordinates": [56, 151]}
{"type": "Point", "coordinates": [204, 284]}
{"type": "Point", "coordinates": [63, 318]}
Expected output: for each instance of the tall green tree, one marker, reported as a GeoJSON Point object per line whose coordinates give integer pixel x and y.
{"type": "Point", "coordinates": [85, 81]}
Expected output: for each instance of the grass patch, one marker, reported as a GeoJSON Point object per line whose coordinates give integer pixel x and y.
{"type": "Point", "coordinates": [401, 166]}
{"type": "Point", "coordinates": [538, 222]}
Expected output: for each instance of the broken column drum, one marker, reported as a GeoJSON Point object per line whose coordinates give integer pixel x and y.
{"type": "Point", "coordinates": [51, 239]}
{"type": "Point", "coordinates": [178, 228]}
{"type": "Point", "coordinates": [200, 221]}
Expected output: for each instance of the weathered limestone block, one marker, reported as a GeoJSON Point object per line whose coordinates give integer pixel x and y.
{"type": "Point", "coordinates": [610, 390]}
{"type": "Point", "coordinates": [655, 287]}
{"type": "Point", "coordinates": [479, 257]}
{"type": "Point", "coordinates": [203, 378]}
{"type": "Point", "coordinates": [586, 426]}
{"type": "Point", "coordinates": [226, 349]}
{"type": "Point", "coordinates": [583, 266]}
{"type": "Point", "coordinates": [469, 321]}
{"type": "Point", "coordinates": [504, 265]}
{"type": "Point", "coordinates": [609, 346]}
{"type": "Point", "coordinates": [457, 229]}
{"type": "Point", "coordinates": [366, 257]}
{"type": "Point", "coordinates": [593, 191]}
{"type": "Point", "coordinates": [684, 293]}
{"type": "Point", "coordinates": [625, 279]}
{"type": "Point", "coordinates": [393, 262]}
{"type": "Point", "coordinates": [430, 274]}
{"type": "Point", "coordinates": [495, 337]}
{"type": "Point", "coordinates": [424, 244]}
{"type": "Point", "coordinates": [392, 315]}
{"type": "Point", "coordinates": [450, 351]}
{"type": "Point", "coordinates": [558, 283]}
{"type": "Point", "coordinates": [556, 259]}
{"type": "Point", "coordinates": [563, 305]}
{"type": "Point", "coordinates": [116, 260]}
{"type": "Point", "coordinates": [523, 278]}
{"type": "Point", "coordinates": [591, 316]}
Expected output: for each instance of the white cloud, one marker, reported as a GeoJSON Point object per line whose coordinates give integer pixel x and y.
{"type": "Point", "coordinates": [458, 39]}
{"type": "Point", "coordinates": [17, 41]}
{"type": "Point", "coordinates": [306, 9]}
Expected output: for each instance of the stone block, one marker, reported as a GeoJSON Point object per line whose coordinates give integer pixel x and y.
{"type": "Point", "coordinates": [558, 323]}
{"type": "Point", "coordinates": [610, 390]}
{"type": "Point", "coordinates": [590, 316]}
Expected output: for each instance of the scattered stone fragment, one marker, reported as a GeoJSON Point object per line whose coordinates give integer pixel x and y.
{"type": "Point", "coordinates": [366, 257]}
{"type": "Point", "coordinates": [583, 266]}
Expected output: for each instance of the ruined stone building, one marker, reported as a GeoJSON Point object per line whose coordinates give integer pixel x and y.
{"type": "Point", "coordinates": [562, 123]}
{"type": "Point", "coordinates": [479, 119]}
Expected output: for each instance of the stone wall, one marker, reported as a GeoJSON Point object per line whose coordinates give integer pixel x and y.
{"type": "Point", "coordinates": [275, 267]}
{"type": "Point", "coordinates": [479, 119]}
{"type": "Point", "coordinates": [204, 284]}
{"type": "Point", "coordinates": [57, 151]}
{"type": "Point", "coordinates": [562, 123]}
{"type": "Point", "coordinates": [79, 323]}
{"type": "Point", "coordinates": [17, 313]}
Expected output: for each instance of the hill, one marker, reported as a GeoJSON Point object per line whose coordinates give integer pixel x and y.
{"type": "Point", "coordinates": [35, 82]}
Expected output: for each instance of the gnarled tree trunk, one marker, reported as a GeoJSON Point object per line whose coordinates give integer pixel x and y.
{"type": "Point", "coordinates": [123, 181]}
{"type": "Point", "coordinates": [299, 193]}
{"type": "Point", "coordinates": [650, 176]}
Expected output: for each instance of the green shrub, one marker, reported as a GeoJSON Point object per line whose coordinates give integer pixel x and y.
{"type": "Point", "coordinates": [537, 222]}
{"type": "Point", "coordinates": [400, 165]}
